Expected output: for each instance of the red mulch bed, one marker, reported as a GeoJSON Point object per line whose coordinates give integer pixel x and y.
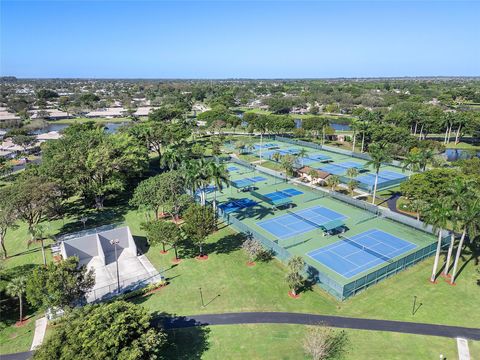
{"type": "Point", "coordinates": [21, 323]}
{"type": "Point", "coordinates": [154, 290]}
{"type": "Point", "coordinates": [293, 296]}
{"type": "Point", "coordinates": [202, 258]}
{"type": "Point", "coordinates": [250, 263]}
{"type": "Point", "coordinates": [432, 282]}
{"type": "Point", "coordinates": [176, 261]}
{"type": "Point", "coordinates": [163, 252]}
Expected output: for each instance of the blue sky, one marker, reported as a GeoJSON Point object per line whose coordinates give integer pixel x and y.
{"type": "Point", "coordinates": [225, 39]}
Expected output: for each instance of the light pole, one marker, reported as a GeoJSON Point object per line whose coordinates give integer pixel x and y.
{"type": "Point", "coordinates": [115, 243]}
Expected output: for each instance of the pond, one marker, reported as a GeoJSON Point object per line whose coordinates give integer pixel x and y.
{"type": "Point", "coordinates": [109, 126]}
{"type": "Point", "coordinates": [460, 154]}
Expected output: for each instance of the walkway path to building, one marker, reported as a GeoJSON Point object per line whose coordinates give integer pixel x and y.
{"type": "Point", "coordinates": [40, 328]}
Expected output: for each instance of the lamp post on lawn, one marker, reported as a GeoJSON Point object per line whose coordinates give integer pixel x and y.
{"type": "Point", "coordinates": [115, 243]}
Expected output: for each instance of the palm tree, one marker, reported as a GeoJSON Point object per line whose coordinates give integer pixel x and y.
{"type": "Point", "coordinates": [16, 288]}
{"type": "Point", "coordinates": [172, 158]}
{"type": "Point", "coordinates": [352, 184]}
{"type": "Point", "coordinates": [37, 233]}
{"type": "Point", "coordinates": [325, 122]}
{"type": "Point", "coordinates": [425, 157]}
{"type": "Point", "coordinates": [262, 126]}
{"type": "Point", "coordinates": [276, 156]}
{"type": "Point", "coordinates": [354, 127]}
{"type": "Point", "coordinates": [219, 175]}
{"type": "Point", "coordinates": [287, 162]}
{"type": "Point", "coordinates": [203, 178]}
{"type": "Point", "coordinates": [302, 153]}
{"type": "Point", "coordinates": [456, 199]}
{"type": "Point", "coordinates": [411, 162]}
{"type": "Point", "coordinates": [437, 214]}
{"type": "Point", "coordinates": [378, 155]}
{"type": "Point", "coordinates": [333, 181]}
{"type": "Point", "coordinates": [470, 220]}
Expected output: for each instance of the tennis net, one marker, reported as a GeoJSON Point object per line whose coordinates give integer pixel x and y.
{"type": "Point", "coordinates": [365, 248]}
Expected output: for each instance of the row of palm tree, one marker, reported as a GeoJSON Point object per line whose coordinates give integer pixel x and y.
{"type": "Point", "coordinates": [418, 159]}
{"type": "Point", "coordinates": [199, 174]}
{"type": "Point", "coordinates": [460, 211]}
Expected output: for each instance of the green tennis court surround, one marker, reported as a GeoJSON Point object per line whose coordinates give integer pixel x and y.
{"type": "Point", "coordinates": [311, 224]}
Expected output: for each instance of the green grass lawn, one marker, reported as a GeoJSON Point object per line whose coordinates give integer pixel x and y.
{"type": "Point", "coordinates": [462, 145]}
{"type": "Point", "coordinates": [228, 285]}
{"type": "Point", "coordinates": [286, 342]}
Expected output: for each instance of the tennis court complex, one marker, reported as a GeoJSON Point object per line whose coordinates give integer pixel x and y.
{"type": "Point", "coordinates": [294, 223]}
{"type": "Point", "coordinates": [332, 162]}
{"type": "Point", "coordinates": [351, 256]}
{"type": "Point", "coordinates": [345, 247]}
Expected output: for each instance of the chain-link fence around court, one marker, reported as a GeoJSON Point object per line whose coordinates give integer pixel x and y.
{"type": "Point", "coordinates": [335, 288]}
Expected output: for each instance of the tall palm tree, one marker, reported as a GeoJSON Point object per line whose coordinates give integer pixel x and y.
{"type": "Point", "coordinates": [287, 162]}
{"type": "Point", "coordinates": [378, 155]}
{"type": "Point", "coordinates": [37, 233]}
{"type": "Point", "coordinates": [456, 198]}
{"type": "Point", "coordinates": [354, 127]}
{"type": "Point", "coordinates": [172, 158]}
{"type": "Point", "coordinates": [470, 220]}
{"type": "Point", "coordinates": [302, 153]}
{"type": "Point", "coordinates": [352, 173]}
{"type": "Point", "coordinates": [219, 175]}
{"type": "Point", "coordinates": [411, 162]}
{"type": "Point", "coordinates": [333, 181]}
{"type": "Point", "coordinates": [437, 214]}
{"type": "Point", "coordinates": [325, 123]}
{"type": "Point", "coordinates": [16, 288]}
{"type": "Point", "coordinates": [262, 126]}
{"type": "Point", "coordinates": [203, 178]}
{"type": "Point", "coordinates": [426, 156]}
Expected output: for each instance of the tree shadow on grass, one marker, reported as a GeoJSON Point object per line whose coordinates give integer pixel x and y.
{"type": "Point", "coordinates": [188, 341]}
{"type": "Point", "coordinates": [9, 307]}
{"type": "Point", "coordinates": [225, 245]}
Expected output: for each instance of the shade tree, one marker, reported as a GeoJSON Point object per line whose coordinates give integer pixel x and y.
{"type": "Point", "coordinates": [59, 285]}
{"type": "Point", "coordinates": [108, 331]}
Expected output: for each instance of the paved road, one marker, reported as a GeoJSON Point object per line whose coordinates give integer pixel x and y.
{"type": "Point", "coordinates": [304, 319]}
{"type": "Point", "coordinates": [18, 356]}
{"type": "Point", "coordinates": [334, 321]}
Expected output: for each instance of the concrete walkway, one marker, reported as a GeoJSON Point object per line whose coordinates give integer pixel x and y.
{"type": "Point", "coordinates": [312, 319]}
{"type": "Point", "coordinates": [463, 350]}
{"type": "Point", "coordinates": [40, 328]}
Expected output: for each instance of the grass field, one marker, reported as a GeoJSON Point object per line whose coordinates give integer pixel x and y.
{"type": "Point", "coordinates": [258, 288]}
{"type": "Point", "coordinates": [286, 342]}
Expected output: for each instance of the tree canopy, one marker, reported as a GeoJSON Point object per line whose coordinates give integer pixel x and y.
{"type": "Point", "coordinates": [114, 331]}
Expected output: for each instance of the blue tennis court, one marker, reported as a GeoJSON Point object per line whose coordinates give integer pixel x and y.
{"type": "Point", "coordinates": [232, 168]}
{"type": "Point", "coordinates": [384, 177]}
{"type": "Point", "coordinates": [299, 222]}
{"type": "Point", "coordinates": [354, 255]}
{"type": "Point", "coordinates": [350, 165]}
{"type": "Point", "coordinates": [266, 146]}
{"type": "Point", "coordinates": [319, 157]}
{"type": "Point", "coordinates": [391, 175]}
{"type": "Point", "coordinates": [333, 169]}
{"type": "Point", "coordinates": [305, 161]}
{"type": "Point", "coordinates": [236, 205]}
{"type": "Point", "coordinates": [279, 197]}
{"type": "Point", "coordinates": [247, 181]}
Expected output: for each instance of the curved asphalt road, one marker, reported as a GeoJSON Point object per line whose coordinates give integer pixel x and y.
{"type": "Point", "coordinates": [303, 319]}
{"type": "Point", "coordinates": [312, 319]}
